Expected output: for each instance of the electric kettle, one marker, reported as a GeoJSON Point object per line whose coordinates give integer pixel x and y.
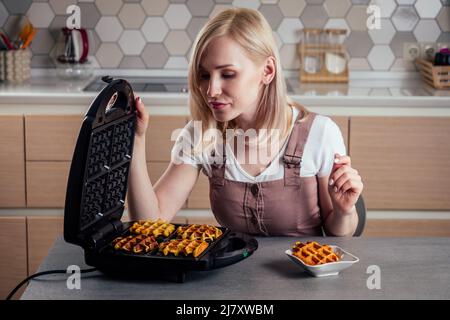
{"type": "Point", "coordinates": [73, 46]}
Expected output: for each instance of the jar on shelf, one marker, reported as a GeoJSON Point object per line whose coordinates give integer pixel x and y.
{"type": "Point", "coordinates": [335, 55]}
{"type": "Point", "coordinates": [310, 50]}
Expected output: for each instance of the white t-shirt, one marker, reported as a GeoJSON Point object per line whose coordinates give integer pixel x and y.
{"type": "Point", "coordinates": [324, 140]}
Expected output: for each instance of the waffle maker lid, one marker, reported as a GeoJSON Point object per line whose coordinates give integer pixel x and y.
{"type": "Point", "coordinates": [97, 184]}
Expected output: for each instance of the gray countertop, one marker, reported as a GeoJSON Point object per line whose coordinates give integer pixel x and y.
{"type": "Point", "coordinates": [410, 268]}
{"type": "Point", "coordinates": [360, 97]}
{"type": "Point", "coordinates": [54, 87]}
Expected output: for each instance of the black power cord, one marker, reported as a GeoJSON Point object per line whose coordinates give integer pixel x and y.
{"type": "Point", "coordinates": [11, 294]}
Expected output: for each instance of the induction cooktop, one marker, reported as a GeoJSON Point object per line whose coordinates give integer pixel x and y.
{"type": "Point", "coordinates": [152, 84]}
{"type": "Point", "coordinates": [147, 84]}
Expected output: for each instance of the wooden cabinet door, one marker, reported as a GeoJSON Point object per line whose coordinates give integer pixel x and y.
{"type": "Point", "coordinates": [404, 162]}
{"type": "Point", "coordinates": [158, 137]}
{"type": "Point", "coordinates": [12, 160]}
{"type": "Point", "coordinates": [42, 233]}
{"type": "Point", "coordinates": [199, 197]}
{"type": "Point", "coordinates": [155, 171]}
{"type": "Point", "coordinates": [13, 254]}
{"type": "Point", "coordinates": [47, 184]}
{"type": "Point", "coordinates": [51, 137]}
{"type": "Point", "coordinates": [50, 142]}
{"type": "Point", "coordinates": [407, 228]}
{"type": "Point", "coordinates": [343, 123]}
{"type": "Point", "coordinates": [211, 220]}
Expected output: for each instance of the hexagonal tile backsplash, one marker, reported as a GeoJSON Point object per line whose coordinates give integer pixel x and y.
{"type": "Point", "coordinates": [158, 34]}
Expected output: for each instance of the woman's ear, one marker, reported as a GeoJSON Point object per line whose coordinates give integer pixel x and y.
{"type": "Point", "coordinates": [269, 70]}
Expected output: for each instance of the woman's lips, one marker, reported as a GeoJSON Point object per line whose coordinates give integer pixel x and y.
{"type": "Point", "coordinates": [218, 105]}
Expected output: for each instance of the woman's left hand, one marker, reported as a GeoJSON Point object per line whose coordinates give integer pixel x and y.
{"type": "Point", "coordinates": [344, 185]}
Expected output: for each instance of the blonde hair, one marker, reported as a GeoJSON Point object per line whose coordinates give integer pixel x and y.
{"type": "Point", "coordinates": [250, 29]}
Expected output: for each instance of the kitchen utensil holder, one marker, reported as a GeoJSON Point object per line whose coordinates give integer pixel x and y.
{"type": "Point", "coordinates": [436, 76]}
{"type": "Point", "coordinates": [15, 65]}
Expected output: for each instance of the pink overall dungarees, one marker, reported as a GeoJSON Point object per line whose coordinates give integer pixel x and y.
{"type": "Point", "coordinates": [284, 207]}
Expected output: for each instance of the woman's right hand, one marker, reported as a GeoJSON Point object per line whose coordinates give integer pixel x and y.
{"type": "Point", "coordinates": [142, 118]}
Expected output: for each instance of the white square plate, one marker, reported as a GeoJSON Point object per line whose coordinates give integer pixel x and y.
{"type": "Point", "coordinates": [327, 269]}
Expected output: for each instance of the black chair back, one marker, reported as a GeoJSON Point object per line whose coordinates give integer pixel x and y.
{"type": "Point", "coordinates": [361, 210]}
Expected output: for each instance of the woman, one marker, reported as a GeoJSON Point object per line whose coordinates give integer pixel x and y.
{"type": "Point", "coordinates": [303, 183]}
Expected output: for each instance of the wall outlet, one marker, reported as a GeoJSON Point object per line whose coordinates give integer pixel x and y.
{"type": "Point", "coordinates": [411, 51]}
{"type": "Point", "coordinates": [428, 50]}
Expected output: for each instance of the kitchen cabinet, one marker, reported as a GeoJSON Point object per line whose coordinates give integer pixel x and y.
{"type": "Point", "coordinates": [407, 228]}
{"type": "Point", "coordinates": [49, 144]}
{"type": "Point", "coordinates": [155, 171]}
{"type": "Point", "coordinates": [50, 141]}
{"type": "Point", "coordinates": [385, 150]}
{"type": "Point", "coordinates": [47, 183]}
{"type": "Point", "coordinates": [343, 124]}
{"type": "Point", "coordinates": [51, 137]}
{"type": "Point", "coordinates": [159, 145]}
{"type": "Point", "coordinates": [404, 161]}
{"type": "Point", "coordinates": [199, 197]}
{"type": "Point", "coordinates": [203, 220]}
{"type": "Point", "coordinates": [12, 168]}
{"type": "Point", "coordinates": [42, 232]}
{"type": "Point", "coordinates": [13, 253]}
{"type": "Point", "coordinates": [158, 136]}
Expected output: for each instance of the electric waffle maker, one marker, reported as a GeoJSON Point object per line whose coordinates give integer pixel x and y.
{"type": "Point", "coordinates": [96, 191]}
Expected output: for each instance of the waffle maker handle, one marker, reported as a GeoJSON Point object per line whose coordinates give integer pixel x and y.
{"type": "Point", "coordinates": [238, 248]}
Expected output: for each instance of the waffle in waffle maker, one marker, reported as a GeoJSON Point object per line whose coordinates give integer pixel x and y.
{"type": "Point", "coordinates": [95, 200]}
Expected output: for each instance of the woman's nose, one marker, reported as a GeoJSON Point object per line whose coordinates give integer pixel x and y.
{"type": "Point", "coordinates": [214, 88]}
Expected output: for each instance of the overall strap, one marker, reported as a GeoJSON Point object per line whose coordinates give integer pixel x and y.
{"type": "Point", "coordinates": [218, 169]}
{"type": "Point", "coordinates": [294, 151]}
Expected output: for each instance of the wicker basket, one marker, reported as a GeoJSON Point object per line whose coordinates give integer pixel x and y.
{"type": "Point", "coordinates": [436, 76]}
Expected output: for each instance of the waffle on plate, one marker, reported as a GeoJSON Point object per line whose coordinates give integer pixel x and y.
{"type": "Point", "coordinates": [155, 228]}
{"type": "Point", "coordinates": [312, 253]}
{"type": "Point", "coordinates": [135, 244]}
{"type": "Point", "coordinates": [201, 232]}
{"type": "Point", "coordinates": [183, 246]}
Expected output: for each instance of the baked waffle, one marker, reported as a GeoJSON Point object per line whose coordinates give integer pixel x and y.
{"type": "Point", "coordinates": [199, 232]}
{"type": "Point", "coordinates": [155, 228]}
{"type": "Point", "coordinates": [135, 244]}
{"type": "Point", "coordinates": [183, 246]}
{"type": "Point", "coordinates": [312, 253]}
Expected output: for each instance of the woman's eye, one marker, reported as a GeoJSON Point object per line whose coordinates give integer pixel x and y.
{"type": "Point", "coordinates": [204, 76]}
{"type": "Point", "coordinates": [228, 75]}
